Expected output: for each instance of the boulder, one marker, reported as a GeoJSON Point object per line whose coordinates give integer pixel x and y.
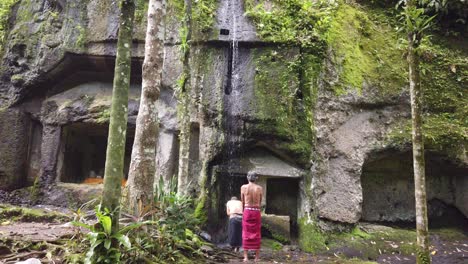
{"type": "Point", "coordinates": [278, 226]}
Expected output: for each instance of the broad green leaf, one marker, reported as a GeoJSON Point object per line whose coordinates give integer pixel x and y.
{"type": "Point", "coordinates": [80, 224]}
{"type": "Point", "coordinates": [107, 243]}
{"type": "Point", "coordinates": [106, 223]}
{"type": "Point", "coordinates": [124, 240]}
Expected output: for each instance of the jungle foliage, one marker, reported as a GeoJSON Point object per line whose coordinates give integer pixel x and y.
{"type": "Point", "coordinates": [163, 232]}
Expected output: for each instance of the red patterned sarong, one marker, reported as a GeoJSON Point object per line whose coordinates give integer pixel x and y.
{"type": "Point", "coordinates": [251, 229]}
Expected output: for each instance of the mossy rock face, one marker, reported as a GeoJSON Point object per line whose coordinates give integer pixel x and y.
{"type": "Point", "coordinates": [203, 18]}
{"type": "Point", "coordinates": [311, 238]}
{"type": "Point", "coordinates": [278, 227]}
{"type": "Point", "coordinates": [364, 50]}
{"type": "Point", "coordinates": [283, 92]}
{"type": "Point", "coordinates": [20, 214]}
{"type": "Point", "coordinates": [444, 81]}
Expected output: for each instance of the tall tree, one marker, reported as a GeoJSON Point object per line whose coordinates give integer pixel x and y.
{"type": "Point", "coordinates": [113, 173]}
{"type": "Point", "coordinates": [184, 103]}
{"type": "Point", "coordinates": [416, 24]}
{"type": "Point", "coordinates": [139, 189]}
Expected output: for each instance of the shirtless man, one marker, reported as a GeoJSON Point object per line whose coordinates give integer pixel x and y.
{"type": "Point", "coordinates": [251, 196]}
{"type": "Point", "coordinates": [234, 211]}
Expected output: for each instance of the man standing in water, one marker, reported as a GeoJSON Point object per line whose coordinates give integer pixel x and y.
{"type": "Point", "coordinates": [251, 196]}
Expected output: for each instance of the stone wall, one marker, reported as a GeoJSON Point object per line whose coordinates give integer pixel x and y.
{"type": "Point", "coordinates": [388, 187]}
{"type": "Point", "coordinates": [14, 139]}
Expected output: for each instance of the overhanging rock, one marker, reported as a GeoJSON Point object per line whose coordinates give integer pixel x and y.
{"type": "Point", "coordinates": [264, 163]}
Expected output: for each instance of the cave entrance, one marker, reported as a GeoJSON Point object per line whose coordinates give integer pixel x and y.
{"type": "Point", "coordinates": [281, 196]}
{"type": "Point", "coordinates": [388, 190]}
{"type": "Point", "coordinates": [83, 153]}
{"type": "Point", "coordinates": [282, 199]}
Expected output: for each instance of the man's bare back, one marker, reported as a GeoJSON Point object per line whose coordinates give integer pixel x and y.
{"type": "Point", "coordinates": [251, 195]}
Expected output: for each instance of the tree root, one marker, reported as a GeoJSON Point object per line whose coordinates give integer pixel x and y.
{"type": "Point", "coordinates": [13, 258]}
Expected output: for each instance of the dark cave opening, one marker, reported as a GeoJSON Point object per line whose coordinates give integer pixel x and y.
{"type": "Point", "coordinates": [84, 152]}
{"type": "Point", "coordinates": [282, 199]}
{"type": "Point", "coordinates": [388, 190]}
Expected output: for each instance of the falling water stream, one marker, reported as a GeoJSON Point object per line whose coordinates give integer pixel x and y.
{"type": "Point", "coordinates": [233, 123]}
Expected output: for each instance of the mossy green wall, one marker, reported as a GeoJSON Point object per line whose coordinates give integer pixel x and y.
{"type": "Point", "coordinates": [284, 91]}
{"type": "Point", "coordinates": [362, 46]}
{"type": "Point", "coordinates": [311, 238]}
{"type": "Point", "coordinates": [365, 51]}
{"type": "Point", "coordinates": [444, 64]}
{"type": "Point", "coordinates": [203, 15]}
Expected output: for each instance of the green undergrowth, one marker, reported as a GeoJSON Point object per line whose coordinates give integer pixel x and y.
{"type": "Point", "coordinates": [162, 232]}
{"type": "Point", "coordinates": [10, 213]}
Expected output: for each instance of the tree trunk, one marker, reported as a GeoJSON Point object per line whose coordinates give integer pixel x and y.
{"type": "Point", "coordinates": [142, 167]}
{"type": "Point", "coordinates": [423, 256]}
{"type": "Point", "coordinates": [113, 173]}
{"type": "Point", "coordinates": [184, 103]}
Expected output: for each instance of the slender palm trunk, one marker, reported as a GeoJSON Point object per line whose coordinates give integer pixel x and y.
{"type": "Point", "coordinates": [418, 147]}
{"type": "Point", "coordinates": [184, 103]}
{"type": "Point", "coordinates": [113, 173]}
{"type": "Point", "coordinates": [139, 189]}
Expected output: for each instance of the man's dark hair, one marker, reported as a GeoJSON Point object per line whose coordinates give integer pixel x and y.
{"type": "Point", "coordinates": [252, 176]}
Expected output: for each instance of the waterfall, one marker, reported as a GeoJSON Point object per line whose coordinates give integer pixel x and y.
{"type": "Point", "coordinates": [233, 123]}
{"type": "Point", "coordinates": [235, 52]}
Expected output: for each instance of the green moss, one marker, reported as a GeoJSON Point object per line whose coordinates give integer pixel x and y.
{"type": "Point", "coordinates": [285, 88]}
{"type": "Point", "coordinates": [365, 51]}
{"type": "Point", "coordinates": [24, 34]}
{"type": "Point", "coordinates": [271, 244]}
{"type": "Point", "coordinates": [5, 10]}
{"type": "Point", "coordinates": [17, 77]}
{"type": "Point", "coordinates": [444, 80]}
{"type": "Point", "coordinates": [19, 214]}
{"type": "Point", "coordinates": [104, 116]}
{"type": "Point", "coordinates": [371, 244]}
{"type": "Point", "coordinates": [311, 238]}
{"type": "Point", "coordinates": [278, 237]}
{"type": "Point", "coordinates": [297, 22]}
{"type": "Point", "coordinates": [450, 234]}
{"type": "Point", "coordinates": [141, 10]}
{"type": "Point", "coordinates": [203, 14]}
{"type": "Point", "coordinates": [200, 207]}
{"type": "Point", "coordinates": [81, 40]}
